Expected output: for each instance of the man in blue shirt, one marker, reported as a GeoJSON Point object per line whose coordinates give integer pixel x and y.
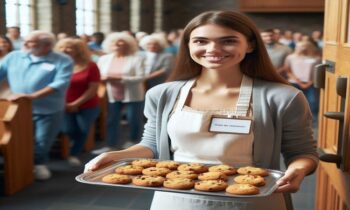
{"type": "Point", "coordinates": [39, 74]}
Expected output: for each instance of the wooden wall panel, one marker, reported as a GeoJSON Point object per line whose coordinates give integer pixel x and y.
{"type": "Point", "coordinates": [332, 16]}
{"type": "Point", "coordinates": [282, 6]}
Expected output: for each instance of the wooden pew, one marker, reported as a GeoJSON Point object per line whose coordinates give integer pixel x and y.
{"type": "Point", "coordinates": [102, 119]}
{"type": "Point", "coordinates": [16, 144]}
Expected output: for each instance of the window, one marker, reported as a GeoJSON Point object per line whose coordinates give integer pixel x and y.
{"type": "Point", "coordinates": [86, 14]}
{"type": "Point", "coordinates": [20, 13]}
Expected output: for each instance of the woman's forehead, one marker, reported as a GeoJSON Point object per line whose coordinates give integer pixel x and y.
{"type": "Point", "coordinates": [213, 30]}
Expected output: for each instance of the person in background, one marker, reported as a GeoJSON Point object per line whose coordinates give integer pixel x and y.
{"type": "Point", "coordinates": [14, 34]}
{"type": "Point", "coordinates": [82, 103]}
{"type": "Point", "coordinates": [5, 46]}
{"type": "Point", "coordinates": [96, 41]}
{"type": "Point", "coordinates": [173, 38]}
{"type": "Point", "coordinates": [223, 72]}
{"type": "Point", "coordinates": [297, 37]}
{"type": "Point", "coordinates": [123, 72]}
{"type": "Point", "coordinates": [276, 51]}
{"type": "Point", "coordinates": [139, 35]}
{"type": "Point", "coordinates": [299, 67]}
{"type": "Point", "coordinates": [317, 37]}
{"type": "Point", "coordinates": [277, 34]}
{"type": "Point", "coordinates": [158, 63]}
{"type": "Point", "coordinates": [85, 38]}
{"type": "Point", "coordinates": [287, 39]}
{"type": "Point", "coordinates": [61, 35]}
{"type": "Point", "coordinates": [95, 45]}
{"type": "Point", "coordinates": [43, 76]}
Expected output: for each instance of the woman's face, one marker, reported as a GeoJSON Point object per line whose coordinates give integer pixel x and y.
{"type": "Point", "coordinates": [153, 46]}
{"type": "Point", "coordinates": [4, 45]}
{"type": "Point", "coordinates": [68, 49]}
{"type": "Point", "coordinates": [119, 46]}
{"type": "Point", "coordinates": [302, 48]}
{"type": "Point", "coordinates": [217, 47]}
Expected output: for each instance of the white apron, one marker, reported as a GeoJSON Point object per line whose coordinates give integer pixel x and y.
{"type": "Point", "coordinates": [192, 142]}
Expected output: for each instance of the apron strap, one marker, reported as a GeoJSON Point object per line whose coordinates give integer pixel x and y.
{"type": "Point", "coordinates": [245, 94]}
{"type": "Point", "coordinates": [183, 94]}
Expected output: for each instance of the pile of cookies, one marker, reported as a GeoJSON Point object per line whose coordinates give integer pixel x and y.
{"type": "Point", "coordinates": [174, 175]}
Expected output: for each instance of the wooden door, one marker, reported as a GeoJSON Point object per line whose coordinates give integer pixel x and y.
{"type": "Point", "coordinates": [333, 183]}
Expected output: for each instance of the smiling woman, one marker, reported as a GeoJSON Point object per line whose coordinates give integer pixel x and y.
{"type": "Point", "coordinates": [224, 79]}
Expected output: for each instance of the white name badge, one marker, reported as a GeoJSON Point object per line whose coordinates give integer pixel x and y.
{"type": "Point", "coordinates": [47, 66]}
{"type": "Point", "coordinates": [230, 125]}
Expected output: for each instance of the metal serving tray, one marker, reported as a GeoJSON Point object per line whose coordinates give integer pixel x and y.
{"type": "Point", "coordinates": [95, 178]}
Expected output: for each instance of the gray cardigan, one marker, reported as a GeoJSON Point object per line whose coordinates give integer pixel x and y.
{"type": "Point", "coordinates": [282, 122]}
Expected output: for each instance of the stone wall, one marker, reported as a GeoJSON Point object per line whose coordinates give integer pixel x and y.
{"type": "Point", "coordinates": [105, 18]}
{"type": "Point", "coordinates": [43, 17]}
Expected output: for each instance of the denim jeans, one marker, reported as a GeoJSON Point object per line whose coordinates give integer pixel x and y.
{"type": "Point", "coordinates": [312, 97]}
{"type": "Point", "coordinates": [46, 129]}
{"type": "Point", "coordinates": [134, 113]}
{"type": "Point", "coordinates": [77, 126]}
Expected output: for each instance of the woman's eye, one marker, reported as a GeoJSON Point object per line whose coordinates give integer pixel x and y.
{"type": "Point", "coordinates": [229, 41]}
{"type": "Point", "coordinates": [199, 41]}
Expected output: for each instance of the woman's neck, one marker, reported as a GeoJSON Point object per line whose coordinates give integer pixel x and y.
{"type": "Point", "coordinates": [119, 54]}
{"type": "Point", "coordinates": [79, 66]}
{"type": "Point", "coordinates": [217, 78]}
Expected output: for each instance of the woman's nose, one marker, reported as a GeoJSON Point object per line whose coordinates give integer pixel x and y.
{"type": "Point", "coordinates": [213, 46]}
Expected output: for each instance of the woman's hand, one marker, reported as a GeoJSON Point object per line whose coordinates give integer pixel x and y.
{"type": "Point", "coordinates": [72, 108]}
{"type": "Point", "coordinates": [291, 180]}
{"type": "Point", "coordinates": [136, 151]}
{"type": "Point", "coordinates": [99, 161]}
{"type": "Point", "coordinates": [295, 174]}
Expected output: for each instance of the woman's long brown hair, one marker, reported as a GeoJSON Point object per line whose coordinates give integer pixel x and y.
{"type": "Point", "coordinates": [256, 64]}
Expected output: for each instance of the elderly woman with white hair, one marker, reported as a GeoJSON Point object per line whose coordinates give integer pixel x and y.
{"type": "Point", "coordinates": [123, 72]}
{"type": "Point", "coordinates": [158, 63]}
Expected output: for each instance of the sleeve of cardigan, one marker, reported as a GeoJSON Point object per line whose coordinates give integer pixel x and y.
{"type": "Point", "coordinates": [138, 66]}
{"type": "Point", "coordinates": [149, 134]}
{"type": "Point", "coordinates": [297, 134]}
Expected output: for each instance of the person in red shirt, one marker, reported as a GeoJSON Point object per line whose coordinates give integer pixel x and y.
{"type": "Point", "coordinates": [82, 105]}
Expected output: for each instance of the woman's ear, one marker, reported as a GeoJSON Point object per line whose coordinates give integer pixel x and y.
{"type": "Point", "coordinates": [251, 47]}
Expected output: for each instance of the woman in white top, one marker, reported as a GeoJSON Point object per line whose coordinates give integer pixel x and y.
{"type": "Point", "coordinates": [224, 72]}
{"type": "Point", "coordinates": [299, 67]}
{"type": "Point", "coordinates": [123, 71]}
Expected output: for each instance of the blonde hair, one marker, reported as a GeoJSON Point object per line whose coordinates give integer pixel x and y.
{"type": "Point", "coordinates": [83, 53]}
{"type": "Point", "coordinates": [311, 49]}
{"type": "Point", "coordinates": [158, 38]}
{"type": "Point", "coordinates": [127, 38]}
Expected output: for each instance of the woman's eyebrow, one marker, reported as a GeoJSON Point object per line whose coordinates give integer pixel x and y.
{"type": "Point", "coordinates": [224, 37]}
